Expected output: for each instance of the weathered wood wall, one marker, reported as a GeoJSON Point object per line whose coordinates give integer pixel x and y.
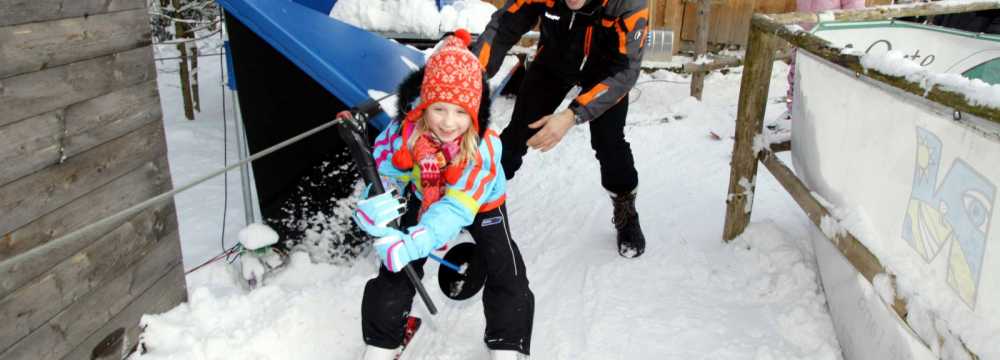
{"type": "Point", "coordinates": [81, 138]}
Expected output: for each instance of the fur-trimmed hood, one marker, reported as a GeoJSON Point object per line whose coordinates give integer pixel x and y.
{"type": "Point", "coordinates": [409, 92]}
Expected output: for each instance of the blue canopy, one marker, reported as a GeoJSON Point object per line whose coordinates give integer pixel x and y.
{"type": "Point", "coordinates": [345, 60]}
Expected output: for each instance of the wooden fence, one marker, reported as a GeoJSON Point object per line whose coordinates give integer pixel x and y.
{"type": "Point", "coordinates": [81, 138]}
{"type": "Point", "coordinates": [729, 22]}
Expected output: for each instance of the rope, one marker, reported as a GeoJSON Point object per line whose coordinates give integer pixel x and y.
{"type": "Point", "coordinates": [235, 249]}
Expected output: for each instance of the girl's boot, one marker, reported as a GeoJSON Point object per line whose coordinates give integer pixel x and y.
{"type": "Point", "coordinates": [377, 353]}
{"type": "Point", "coordinates": [506, 355]}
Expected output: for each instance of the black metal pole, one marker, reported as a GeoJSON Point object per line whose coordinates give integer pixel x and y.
{"type": "Point", "coordinates": [348, 130]}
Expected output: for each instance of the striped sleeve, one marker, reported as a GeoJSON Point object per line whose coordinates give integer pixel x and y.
{"type": "Point", "coordinates": [505, 29]}
{"type": "Point", "coordinates": [625, 63]}
{"type": "Point", "coordinates": [460, 204]}
{"type": "Point", "coordinates": [386, 144]}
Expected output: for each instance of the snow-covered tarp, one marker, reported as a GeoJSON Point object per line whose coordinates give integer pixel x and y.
{"type": "Point", "coordinates": [914, 181]}
{"type": "Point", "coordinates": [420, 17]}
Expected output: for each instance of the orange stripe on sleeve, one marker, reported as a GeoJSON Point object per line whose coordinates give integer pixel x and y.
{"type": "Point", "coordinates": [484, 55]}
{"type": "Point", "coordinates": [488, 178]}
{"type": "Point", "coordinates": [473, 174]}
{"type": "Point", "coordinates": [622, 40]}
{"type": "Point", "coordinates": [589, 96]}
{"type": "Point", "coordinates": [631, 20]}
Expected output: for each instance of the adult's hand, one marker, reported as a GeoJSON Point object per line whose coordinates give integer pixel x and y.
{"type": "Point", "coordinates": [553, 128]}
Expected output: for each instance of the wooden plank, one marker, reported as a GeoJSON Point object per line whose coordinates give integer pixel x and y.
{"type": "Point", "coordinates": [775, 6]}
{"type": "Point", "coordinates": [34, 304]}
{"type": "Point", "coordinates": [739, 28]}
{"type": "Point", "coordinates": [32, 144]}
{"type": "Point", "coordinates": [676, 8]}
{"type": "Point", "coordinates": [13, 12]}
{"type": "Point", "coordinates": [147, 181]}
{"type": "Point", "coordinates": [166, 294]}
{"type": "Point", "coordinates": [84, 317]}
{"type": "Point", "coordinates": [39, 92]}
{"type": "Point", "coordinates": [30, 197]}
{"type": "Point", "coordinates": [106, 117]}
{"type": "Point", "coordinates": [749, 122]}
{"type": "Point", "coordinates": [36, 46]}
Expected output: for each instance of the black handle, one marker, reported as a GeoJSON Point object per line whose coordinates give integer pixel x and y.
{"type": "Point", "coordinates": [349, 130]}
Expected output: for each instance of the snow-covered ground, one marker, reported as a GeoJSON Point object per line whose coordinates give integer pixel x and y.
{"type": "Point", "coordinates": [690, 296]}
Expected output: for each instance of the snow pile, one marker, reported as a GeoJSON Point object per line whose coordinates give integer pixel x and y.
{"type": "Point", "coordinates": [257, 235]}
{"type": "Point", "coordinates": [895, 63]}
{"type": "Point", "coordinates": [691, 296]}
{"type": "Point", "coordinates": [414, 16]}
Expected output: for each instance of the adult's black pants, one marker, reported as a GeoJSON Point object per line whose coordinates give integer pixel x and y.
{"type": "Point", "coordinates": [542, 90]}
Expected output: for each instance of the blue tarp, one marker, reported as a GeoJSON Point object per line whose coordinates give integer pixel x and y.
{"type": "Point", "coordinates": [345, 60]}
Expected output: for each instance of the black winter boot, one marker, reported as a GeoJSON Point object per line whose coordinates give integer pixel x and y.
{"type": "Point", "coordinates": [631, 242]}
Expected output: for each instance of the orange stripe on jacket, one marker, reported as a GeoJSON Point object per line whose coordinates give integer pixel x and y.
{"type": "Point", "coordinates": [622, 40]}
{"type": "Point", "coordinates": [586, 41]}
{"type": "Point", "coordinates": [484, 55]}
{"type": "Point", "coordinates": [631, 20]}
{"type": "Point", "coordinates": [493, 204]}
{"type": "Point", "coordinates": [473, 174]}
{"type": "Point", "coordinates": [488, 178]}
{"type": "Point", "coordinates": [589, 96]}
{"type": "Point", "coordinates": [517, 6]}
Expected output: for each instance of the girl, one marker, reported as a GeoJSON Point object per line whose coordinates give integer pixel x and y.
{"type": "Point", "coordinates": [442, 148]}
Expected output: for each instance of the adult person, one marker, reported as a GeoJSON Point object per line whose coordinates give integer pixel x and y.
{"type": "Point", "coordinates": [594, 44]}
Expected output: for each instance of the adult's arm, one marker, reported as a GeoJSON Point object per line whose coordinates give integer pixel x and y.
{"type": "Point", "coordinates": [505, 29]}
{"type": "Point", "coordinates": [631, 28]}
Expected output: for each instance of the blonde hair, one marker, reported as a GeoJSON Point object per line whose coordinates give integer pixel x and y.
{"type": "Point", "coordinates": [468, 145]}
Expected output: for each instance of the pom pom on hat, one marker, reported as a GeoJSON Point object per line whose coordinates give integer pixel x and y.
{"type": "Point", "coordinates": [464, 35]}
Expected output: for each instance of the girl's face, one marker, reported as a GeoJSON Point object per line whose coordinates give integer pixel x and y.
{"type": "Point", "coordinates": [447, 121]}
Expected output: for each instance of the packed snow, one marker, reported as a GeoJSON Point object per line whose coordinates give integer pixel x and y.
{"type": "Point", "coordinates": [895, 63]}
{"type": "Point", "coordinates": [689, 296]}
{"type": "Point", "coordinates": [419, 17]}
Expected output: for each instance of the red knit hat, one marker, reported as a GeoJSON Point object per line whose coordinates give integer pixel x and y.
{"type": "Point", "coordinates": [452, 75]}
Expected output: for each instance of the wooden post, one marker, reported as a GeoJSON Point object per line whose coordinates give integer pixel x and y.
{"type": "Point", "coordinates": [749, 122]}
{"type": "Point", "coordinates": [701, 47]}
{"type": "Point", "coordinates": [674, 17]}
{"type": "Point", "coordinates": [181, 31]}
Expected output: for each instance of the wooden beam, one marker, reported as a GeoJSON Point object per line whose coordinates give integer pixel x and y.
{"type": "Point", "coordinates": [36, 46]}
{"type": "Point", "coordinates": [35, 304]}
{"type": "Point", "coordinates": [32, 144]}
{"type": "Point", "coordinates": [30, 197]}
{"type": "Point", "coordinates": [822, 48]}
{"type": "Point", "coordinates": [853, 250]}
{"type": "Point", "coordinates": [749, 122]}
{"type": "Point", "coordinates": [147, 181]}
{"type": "Point", "coordinates": [884, 12]}
{"type": "Point", "coordinates": [13, 12]}
{"type": "Point", "coordinates": [40, 92]}
{"type": "Point", "coordinates": [72, 326]}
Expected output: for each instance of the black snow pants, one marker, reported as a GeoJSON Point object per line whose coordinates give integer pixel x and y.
{"type": "Point", "coordinates": [508, 303]}
{"type": "Point", "coordinates": [542, 90]}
